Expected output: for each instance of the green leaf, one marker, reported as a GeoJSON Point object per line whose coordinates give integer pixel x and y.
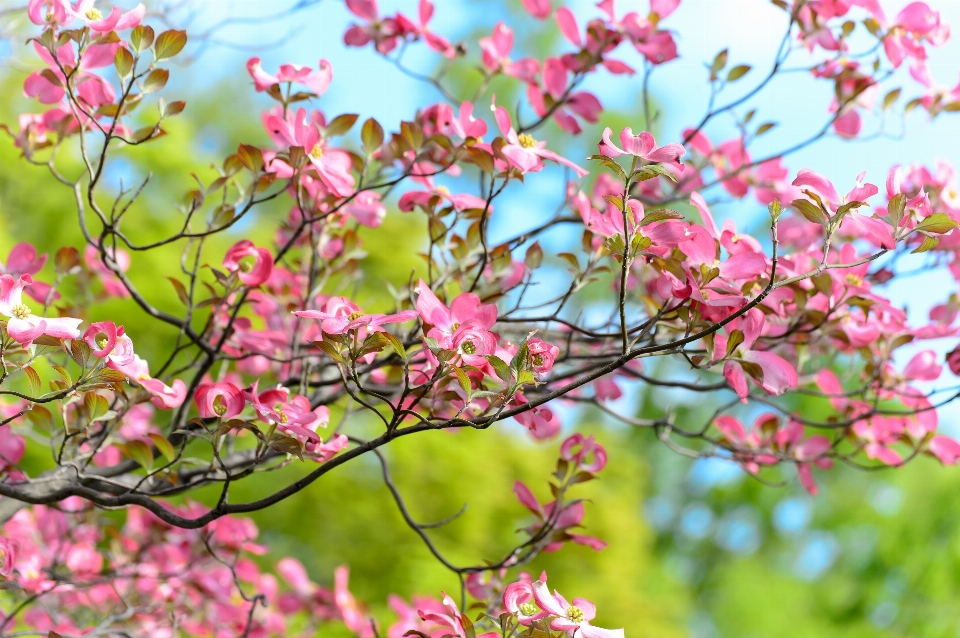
{"type": "Point", "coordinates": [182, 294]}
{"type": "Point", "coordinates": [155, 80]}
{"type": "Point", "coordinates": [616, 200]}
{"type": "Point", "coordinates": [735, 339]}
{"type": "Point", "coordinates": [929, 242]}
{"type": "Point", "coordinates": [169, 43]}
{"type": "Point", "coordinates": [463, 380]}
{"type": "Point", "coordinates": [775, 209]}
{"type": "Point", "coordinates": [107, 375]}
{"type": "Point", "coordinates": [251, 157]}
{"type": "Point", "coordinates": [33, 378]}
{"type": "Point", "coordinates": [659, 215]}
{"type": "Point", "coordinates": [719, 61]}
{"type": "Point", "coordinates": [95, 405]}
{"type": "Point", "coordinates": [810, 211]}
{"type": "Point", "coordinates": [890, 98]}
{"type": "Point", "coordinates": [763, 128]}
{"type": "Point", "coordinates": [141, 38]}
{"type": "Point", "coordinates": [521, 360]}
{"type": "Point", "coordinates": [123, 61]}
{"type": "Point", "coordinates": [372, 135]}
{"type": "Point", "coordinates": [534, 256]}
{"type": "Point", "coordinates": [650, 171]}
{"type": "Point", "coordinates": [738, 72]}
{"type": "Point", "coordinates": [938, 224]}
{"type": "Point", "coordinates": [341, 124]}
{"type": "Point", "coordinates": [499, 366]}
{"type": "Point", "coordinates": [171, 109]}
{"type": "Point", "coordinates": [896, 207]}
{"type": "Point", "coordinates": [396, 344]}
{"type": "Point", "coordinates": [139, 452]}
{"type": "Point", "coordinates": [164, 446]}
{"type": "Point", "coordinates": [331, 351]}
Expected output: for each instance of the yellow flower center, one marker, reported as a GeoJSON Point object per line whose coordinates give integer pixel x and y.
{"type": "Point", "coordinates": [526, 141]}
{"type": "Point", "coordinates": [102, 342]}
{"type": "Point", "coordinates": [854, 280]}
{"type": "Point", "coordinates": [468, 347]}
{"type": "Point", "coordinates": [538, 359]}
{"type": "Point", "coordinates": [528, 609]}
{"type": "Point", "coordinates": [219, 408]}
{"type": "Point", "coordinates": [353, 316]}
{"type": "Point", "coordinates": [94, 14]}
{"type": "Point", "coordinates": [316, 152]}
{"type": "Point", "coordinates": [575, 614]}
{"type": "Point", "coordinates": [20, 311]}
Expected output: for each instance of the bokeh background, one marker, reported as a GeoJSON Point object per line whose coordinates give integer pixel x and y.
{"type": "Point", "coordinates": [696, 548]}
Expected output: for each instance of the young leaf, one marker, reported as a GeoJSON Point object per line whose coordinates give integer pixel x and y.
{"type": "Point", "coordinates": [169, 43]}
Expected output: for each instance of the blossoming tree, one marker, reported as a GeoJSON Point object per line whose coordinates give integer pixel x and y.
{"type": "Point", "coordinates": [274, 361]}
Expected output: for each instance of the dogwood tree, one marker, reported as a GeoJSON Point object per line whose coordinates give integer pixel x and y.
{"type": "Point", "coordinates": [275, 359]}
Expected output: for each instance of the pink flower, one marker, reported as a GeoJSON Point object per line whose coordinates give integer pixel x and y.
{"type": "Point", "coordinates": [84, 11]}
{"type": "Point", "coordinates": [454, 619]}
{"type": "Point", "coordinates": [643, 146]}
{"type": "Point", "coordinates": [9, 551]}
{"type": "Point", "coordinates": [24, 326]}
{"type": "Point", "coordinates": [586, 453]}
{"type": "Point", "coordinates": [384, 32]}
{"type": "Point", "coordinates": [953, 361]}
{"type": "Point", "coordinates": [90, 88]}
{"type": "Point", "coordinates": [353, 617]}
{"type": "Point", "coordinates": [518, 599]}
{"type": "Point", "coordinates": [23, 260]}
{"type": "Point", "coordinates": [111, 283]}
{"type": "Point", "coordinates": [542, 355]}
{"type": "Point", "coordinates": [340, 315]}
{"type": "Point", "coordinates": [524, 152]}
{"type": "Point", "coordinates": [496, 55]}
{"type": "Point", "coordinates": [434, 41]}
{"type": "Point", "coordinates": [444, 321]}
{"type": "Point", "coordinates": [222, 400]}
{"type": "Point", "coordinates": [473, 342]}
{"type": "Point", "coordinates": [574, 617]}
{"type": "Point", "coordinates": [332, 165]}
{"type": "Point", "coordinates": [945, 449]}
{"type": "Point", "coordinates": [253, 265]}
{"type": "Point", "coordinates": [539, 9]}
{"type": "Point", "coordinates": [317, 81]}
{"type": "Point", "coordinates": [108, 342]}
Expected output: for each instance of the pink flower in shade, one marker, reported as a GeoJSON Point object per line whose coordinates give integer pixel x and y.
{"type": "Point", "coordinates": [749, 446]}
{"type": "Point", "coordinates": [111, 283]}
{"type": "Point", "coordinates": [321, 452]}
{"type": "Point", "coordinates": [945, 449]}
{"type": "Point", "coordinates": [222, 400]}
{"type": "Point", "coordinates": [539, 9]}
{"type": "Point", "coordinates": [586, 453]}
{"type": "Point", "coordinates": [350, 611]}
{"type": "Point", "coordinates": [109, 342]}
{"type": "Point", "coordinates": [813, 450]}
{"type": "Point", "coordinates": [384, 32]}
{"type": "Point", "coordinates": [434, 41]}
{"type": "Point", "coordinates": [524, 152]}
{"type": "Point", "coordinates": [9, 552]}
{"type": "Point", "coordinates": [453, 619]}
{"type": "Point", "coordinates": [317, 81]}
{"type": "Point", "coordinates": [117, 20]}
{"type": "Point", "coordinates": [367, 208]}
{"type": "Point", "coordinates": [643, 146]}
{"type": "Point", "coordinates": [90, 88]}
{"type": "Point", "coordinates": [542, 423]}
{"type": "Point", "coordinates": [777, 375]}
{"type": "Point", "coordinates": [574, 617]}
{"type": "Point", "coordinates": [12, 447]}
{"type": "Point", "coordinates": [542, 355]}
{"type": "Point", "coordinates": [23, 260]}
{"type": "Point", "coordinates": [953, 361]}
{"type": "Point", "coordinates": [409, 616]}
{"type": "Point", "coordinates": [291, 415]}
{"type": "Point", "coordinates": [518, 599]}
{"type": "Point", "coordinates": [915, 24]}
{"type": "Point", "coordinates": [253, 265]}
{"type": "Point", "coordinates": [427, 199]}
{"type": "Point", "coordinates": [496, 55]}
{"type": "Point", "coordinates": [332, 165]}
{"type": "Point", "coordinates": [24, 326]}
{"type": "Point", "coordinates": [164, 397]}
{"type": "Point", "coordinates": [340, 315]}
